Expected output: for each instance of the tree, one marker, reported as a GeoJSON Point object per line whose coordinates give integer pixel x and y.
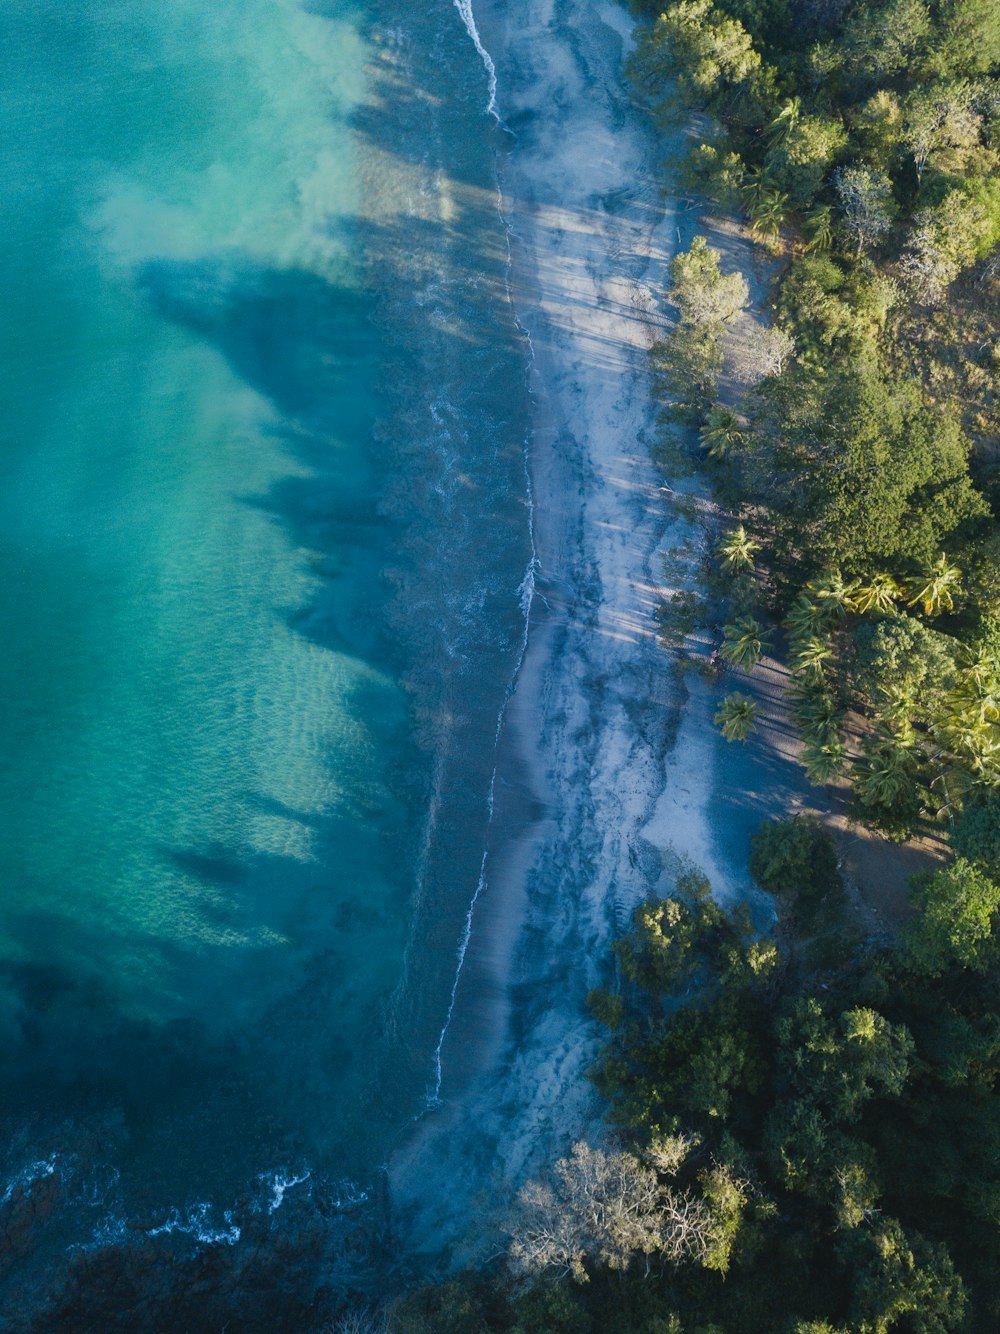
{"type": "Point", "coordinates": [882, 38]}
{"type": "Point", "coordinates": [945, 240]}
{"type": "Point", "coordinates": [823, 761]}
{"type": "Point", "coordinates": [606, 1208]}
{"type": "Point", "coordinates": [764, 350]}
{"type": "Point", "coordinates": [937, 590]}
{"type": "Point", "coordinates": [838, 1063]}
{"type": "Point", "coordinates": [690, 357]}
{"type": "Point", "coordinates": [819, 227]}
{"type": "Point", "coordinates": [838, 593]}
{"type": "Point", "coordinates": [895, 1275]}
{"type": "Point", "coordinates": [794, 857]}
{"type": "Point", "coordinates": [721, 433]}
{"type": "Point", "coordinates": [737, 550]}
{"type": "Point", "coordinates": [879, 125]}
{"type": "Point", "coordinates": [976, 835]}
{"type": "Point", "coordinates": [879, 594]}
{"type": "Point", "coordinates": [939, 121]}
{"type": "Point", "coordinates": [689, 360]}
{"type": "Point", "coordinates": [811, 656]}
{"type": "Point", "coordinates": [737, 716]}
{"type": "Point", "coordinates": [900, 657]}
{"type": "Point", "coordinates": [854, 468]}
{"type": "Point", "coordinates": [968, 37]}
{"type": "Point", "coordinates": [866, 205]}
{"type": "Point", "coordinates": [799, 161]}
{"type": "Point", "coordinates": [361, 1322]}
{"type": "Point", "coordinates": [783, 124]}
{"type": "Point", "coordinates": [958, 907]}
{"type": "Point", "coordinates": [706, 52]}
{"type": "Point", "coordinates": [809, 616]}
{"type": "Point", "coordinates": [744, 644]}
{"type": "Point", "coordinates": [660, 952]}
{"type": "Point", "coordinates": [886, 782]}
{"type": "Point", "coordinates": [767, 215]}
{"type": "Point", "coordinates": [701, 292]}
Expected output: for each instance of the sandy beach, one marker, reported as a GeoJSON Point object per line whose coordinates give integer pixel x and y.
{"type": "Point", "coordinates": [606, 764]}
{"type": "Point", "coordinates": [610, 771]}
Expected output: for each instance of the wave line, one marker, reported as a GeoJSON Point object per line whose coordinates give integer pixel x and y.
{"type": "Point", "coordinates": [464, 8]}
{"type": "Point", "coordinates": [526, 591]}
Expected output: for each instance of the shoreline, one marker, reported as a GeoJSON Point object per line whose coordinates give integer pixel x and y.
{"type": "Point", "coordinates": [598, 720]}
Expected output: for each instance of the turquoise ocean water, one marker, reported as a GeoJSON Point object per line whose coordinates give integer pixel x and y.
{"type": "Point", "coordinates": [263, 527]}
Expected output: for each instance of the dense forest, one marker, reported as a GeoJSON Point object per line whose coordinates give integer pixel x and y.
{"type": "Point", "coordinates": [805, 1130]}
{"type": "Point", "coordinates": [806, 1133]}
{"type": "Point", "coordinates": [861, 143]}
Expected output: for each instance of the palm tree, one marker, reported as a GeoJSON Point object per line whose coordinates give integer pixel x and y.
{"type": "Point", "coordinates": [754, 188]}
{"type": "Point", "coordinates": [838, 594]}
{"type": "Point", "coordinates": [737, 550]}
{"type": "Point", "coordinates": [721, 433]}
{"type": "Point", "coordinates": [977, 694]}
{"type": "Point", "coordinates": [817, 715]}
{"type": "Point", "coordinates": [781, 128]}
{"type": "Point", "coordinates": [897, 708]}
{"type": "Point", "coordinates": [878, 595]}
{"type": "Point", "coordinates": [822, 762]}
{"type": "Point", "coordinates": [767, 214]}
{"type": "Point", "coordinates": [736, 716]}
{"type": "Point", "coordinates": [970, 733]}
{"type": "Point", "coordinates": [819, 227]}
{"type": "Point", "coordinates": [808, 617]}
{"type": "Point", "coordinates": [940, 584]}
{"type": "Point", "coordinates": [811, 657]}
{"type": "Point", "coordinates": [744, 643]}
{"type": "Point", "coordinates": [888, 772]}
{"type": "Point", "coordinates": [978, 668]}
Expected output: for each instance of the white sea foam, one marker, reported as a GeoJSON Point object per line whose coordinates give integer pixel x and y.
{"type": "Point", "coordinates": [349, 1195]}
{"type": "Point", "coordinates": [195, 1223]}
{"type": "Point", "coordinates": [279, 1184]}
{"type": "Point", "coordinates": [464, 7]}
{"type": "Point", "coordinates": [28, 1176]}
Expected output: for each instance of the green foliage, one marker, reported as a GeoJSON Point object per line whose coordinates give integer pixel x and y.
{"type": "Point", "coordinates": [744, 644]}
{"type": "Point", "coordinates": [709, 54]}
{"type": "Point", "coordinates": [737, 716]}
{"type": "Point", "coordinates": [701, 292]}
{"type": "Point", "coordinates": [737, 550]}
{"type": "Point", "coordinates": [976, 835]}
{"type": "Point", "coordinates": [796, 860]}
{"type": "Point", "coordinates": [895, 1275]}
{"type": "Point", "coordinates": [662, 950]}
{"type": "Point", "coordinates": [886, 148]}
{"type": "Point", "coordinates": [800, 160]}
{"type": "Point", "coordinates": [688, 360]}
{"type": "Point", "coordinates": [898, 659]}
{"type": "Point", "coordinates": [808, 1104]}
{"type": "Point", "coordinates": [958, 907]}
{"type": "Point", "coordinates": [856, 469]}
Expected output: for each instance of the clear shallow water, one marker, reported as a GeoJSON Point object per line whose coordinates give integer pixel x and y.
{"type": "Point", "coordinates": [262, 528]}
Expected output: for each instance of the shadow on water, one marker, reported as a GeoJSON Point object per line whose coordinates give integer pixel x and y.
{"type": "Point", "coordinates": [418, 359]}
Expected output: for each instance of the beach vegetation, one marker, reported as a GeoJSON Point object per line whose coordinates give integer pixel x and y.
{"type": "Point", "coordinates": [745, 643]}
{"type": "Point", "coordinates": [831, 1116]}
{"type": "Point", "coordinates": [737, 716]}
{"type": "Point", "coordinates": [689, 359]}
{"type": "Point", "coordinates": [789, 1103]}
{"type": "Point", "coordinates": [737, 550]}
